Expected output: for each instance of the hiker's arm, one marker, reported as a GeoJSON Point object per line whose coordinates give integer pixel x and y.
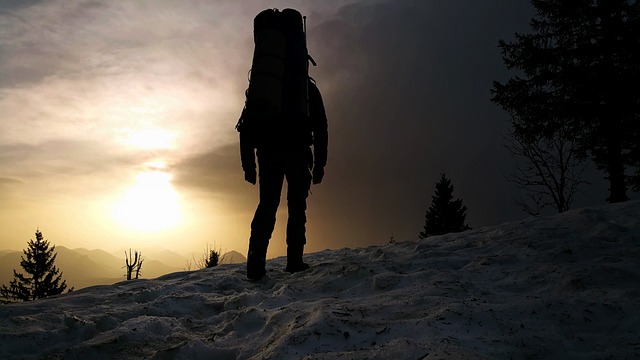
{"type": "Point", "coordinates": [320, 133]}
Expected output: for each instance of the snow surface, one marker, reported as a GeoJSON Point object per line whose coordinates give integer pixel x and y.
{"type": "Point", "coordinates": [565, 286]}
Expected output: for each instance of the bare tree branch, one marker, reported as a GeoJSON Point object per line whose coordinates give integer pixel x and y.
{"type": "Point", "coordinates": [548, 169]}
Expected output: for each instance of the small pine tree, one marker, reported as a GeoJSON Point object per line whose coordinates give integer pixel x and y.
{"type": "Point", "coordinates": [45, 279]}
{"type": "Point", "coordinates": [445, 215]}
{"type": "Point", "coordinates": [210, 258]}
{"type": "Point", "coordinates": [214, 257]}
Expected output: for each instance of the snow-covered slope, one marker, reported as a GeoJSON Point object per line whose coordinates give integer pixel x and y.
{"type": "Point", "coordinates": [566, 286]}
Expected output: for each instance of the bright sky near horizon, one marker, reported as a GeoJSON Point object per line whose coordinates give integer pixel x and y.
{"type": "Point", "coordinates": [117, 119]}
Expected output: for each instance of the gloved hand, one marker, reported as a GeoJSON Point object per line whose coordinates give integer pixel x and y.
{"type": "Point", "coordinates": [317, 174]}
{"type": "Point", "coordinates": [251, 176]}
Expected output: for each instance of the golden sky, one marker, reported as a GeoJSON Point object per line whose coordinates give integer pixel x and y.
{"type": "Point", "coordinates": [104, 107]}
{"type": "Point", "coordinates": [117, 119]}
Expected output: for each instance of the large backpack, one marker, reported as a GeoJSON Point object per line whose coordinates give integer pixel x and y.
{"type": "Point", "coordinates": [277, 97]}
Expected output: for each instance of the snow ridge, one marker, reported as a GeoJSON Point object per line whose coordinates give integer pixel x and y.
{"type": "Point", "coordinates": [564, 286]}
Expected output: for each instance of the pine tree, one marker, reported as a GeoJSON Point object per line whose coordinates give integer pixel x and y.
{"type": "Point", "coordinates": [214, 257]}
{"type": "Point", "coordinates": [42, 278]}
{"type": "Point", "coordinates": [445, 215]}
{"type": "Point", "coordinates": [210, 258]}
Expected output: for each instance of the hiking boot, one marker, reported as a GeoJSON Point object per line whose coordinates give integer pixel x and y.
{"type": "Point", "coordinates": [296, 267]}
{"type": "Point", "coordinates": [256, 263]}
{"type": "Point", "coordinates": [294, 259]}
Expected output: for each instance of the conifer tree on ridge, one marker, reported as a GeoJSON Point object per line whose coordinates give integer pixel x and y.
{"type": "Point", "coordinates": [445, 215]}
{"type": "Point", "coordinates": [45, 278]}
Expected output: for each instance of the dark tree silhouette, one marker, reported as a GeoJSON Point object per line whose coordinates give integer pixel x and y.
{"type": "Point", "coordinates": [210, 258]}
{"type": "Point", "coordinates": [552, 170]}
{"type": "Point", "coordinates": [133, 263]}
{"type": "Point", "coordinates": [579, 70]}
{"type": "Point", "coordinates": [42, 277]}
{"type": "Point", "coordinates": [213, 259]}
{"type": "Point", "coordinates": [445, 215]}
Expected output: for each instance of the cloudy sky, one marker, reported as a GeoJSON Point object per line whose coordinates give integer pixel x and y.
{"type": "Point", "coordinates": [117, 119]}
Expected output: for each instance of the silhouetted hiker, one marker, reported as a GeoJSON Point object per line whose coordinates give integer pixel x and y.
{"type": "Point", "coordinates": [283, 117]}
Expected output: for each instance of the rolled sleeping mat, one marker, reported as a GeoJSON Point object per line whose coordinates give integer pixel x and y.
{"type": "Point", "coordinates": [265, 93]}
{"type": "Point", "coordinates": [295, 99]}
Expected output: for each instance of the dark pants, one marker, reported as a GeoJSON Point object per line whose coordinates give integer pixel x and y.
{"type": "Point", "coordinates": [274, 167]}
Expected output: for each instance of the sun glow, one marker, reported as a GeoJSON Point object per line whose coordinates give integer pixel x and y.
{"type": "Point", "coordinates": [151, 139]}
{"type": "Point", "coordinates": [151, 205]}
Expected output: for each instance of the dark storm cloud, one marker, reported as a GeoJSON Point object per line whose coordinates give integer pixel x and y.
{"type": "Point", "coordinates": [213, 171]}
{"type": "Point", "coordinates": [407, 92]}
{"type": "Point", "coordinates": [217, 175]}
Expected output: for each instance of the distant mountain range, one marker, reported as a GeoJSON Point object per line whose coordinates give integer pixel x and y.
{"type": "Point", "coordinates": [82, 267]}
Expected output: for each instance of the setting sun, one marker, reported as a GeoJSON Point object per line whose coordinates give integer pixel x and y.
{"type": "Point", "coordinates": [150, 205]}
